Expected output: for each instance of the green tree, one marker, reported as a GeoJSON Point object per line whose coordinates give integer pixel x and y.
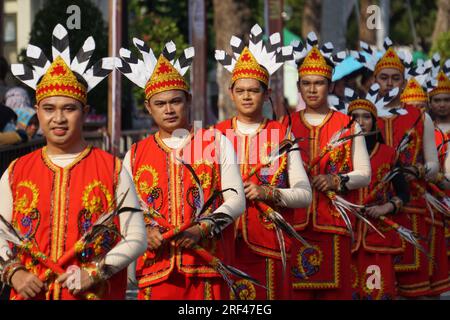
{"type": "Point", "coordinates": [176, 11]}
{"type": "Point", "coordinates": [156, 23]}
{"type": "Point", "coordinates": [92, 24]}
{"type": "Point", "coordinates": [442, 46]}
{"type": "Point", "coordinates": [294, 9]}
{"type": "Point", "coordinates": [424, 16]}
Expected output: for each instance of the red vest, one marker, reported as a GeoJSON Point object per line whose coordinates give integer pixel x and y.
{"type": "Point", "coordinates": [55, 206]}
{"type": "Point", "coordinates": [440, 137]}
{"type": "Point", "coordinates": [325, 217]}
{"type": "Point", "coordinates": [382, 160]}
{"type": "Point", "coordinates": [393, 129]}
{"type": "Point", "coordinates": [257, 231]}
{"type": "Point", "coordinates": [167, 186]}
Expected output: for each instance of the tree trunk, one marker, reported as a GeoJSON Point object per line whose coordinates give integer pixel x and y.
{"type": "Point", "coordinates": [365, 34]}
{"type": "Point", "coordinates": [231, 17]}
{"type": "Point", "coordinates": [127, 109]}
{"type": "Point", "coordinates": [442, 20]}
{"type": "Point", "coordinates": [335, 14]}
{"type": "Point", "coordinates": [311, 17]}
{"type": "Point", "coordinates": [114, 81]}
{"type": "Point", "coordinates": [199, 74]}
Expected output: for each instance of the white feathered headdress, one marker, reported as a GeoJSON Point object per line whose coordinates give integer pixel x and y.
{"type": "Point", "coordinates": [154, 75]}
{"type": "Point", "coordinates": [59, 77]}
{"type": "Point", "coordinates": [259, 60]}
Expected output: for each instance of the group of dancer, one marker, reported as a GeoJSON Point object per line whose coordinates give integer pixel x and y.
{"type": "Point", "coordinates": [345, 199]}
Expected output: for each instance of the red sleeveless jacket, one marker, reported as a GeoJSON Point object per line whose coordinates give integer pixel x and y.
{"type": "Point", "coordinates": [55, 206]}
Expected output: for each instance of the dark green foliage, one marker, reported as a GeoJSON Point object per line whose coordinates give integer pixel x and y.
{"type": "Point", "coordinates": [424, 16]}
{"type": "Point", "coordinates": [92, 24]}
{"type": "Point", "coordinates": [295, 9]}
{"type": "Point", "coordinates": [442, 46]}
{"type": "Point", "coordinates": [156, 23]}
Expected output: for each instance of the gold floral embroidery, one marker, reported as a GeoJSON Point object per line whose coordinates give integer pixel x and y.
{"type": "Point", "coordinates": [310, 265]}
{"type": "Point", "coordinates": [207, 180]}
{"type": "Point", "coordinates": [264, 153]}
{"type": "Point", "coordinates": [245, 289]}
{"type": "Point", "coordinates": [96, 200]}
{"type": "Point", "coordinates": [375, 294]}
{"type": "Point", "coordinates": [23, 204]}
{"type": "Point", "coordinates": [208, 177]}
{"type": "Point", "coordinates": [94, 204]}
{"type": "Point", "coordinates": [336, 154]}
{"type": "Point", "coordinates": [143, 186]}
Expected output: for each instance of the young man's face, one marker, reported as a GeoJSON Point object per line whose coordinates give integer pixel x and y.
{"type": "Point", "coordinates": [364, 119]}
{"type": "Point", "coordinates": [440, 105]}
{"type": "Point", "coordinates": [314, 90]}
{"type": "Point", "coordinates": [169, 109]}
{"type": "Point", "coordinates": [61, 119]}
{"type": "Point", "coordinates": [248, 95]}
{"type": "Point", "coordinates": [388, 79]}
